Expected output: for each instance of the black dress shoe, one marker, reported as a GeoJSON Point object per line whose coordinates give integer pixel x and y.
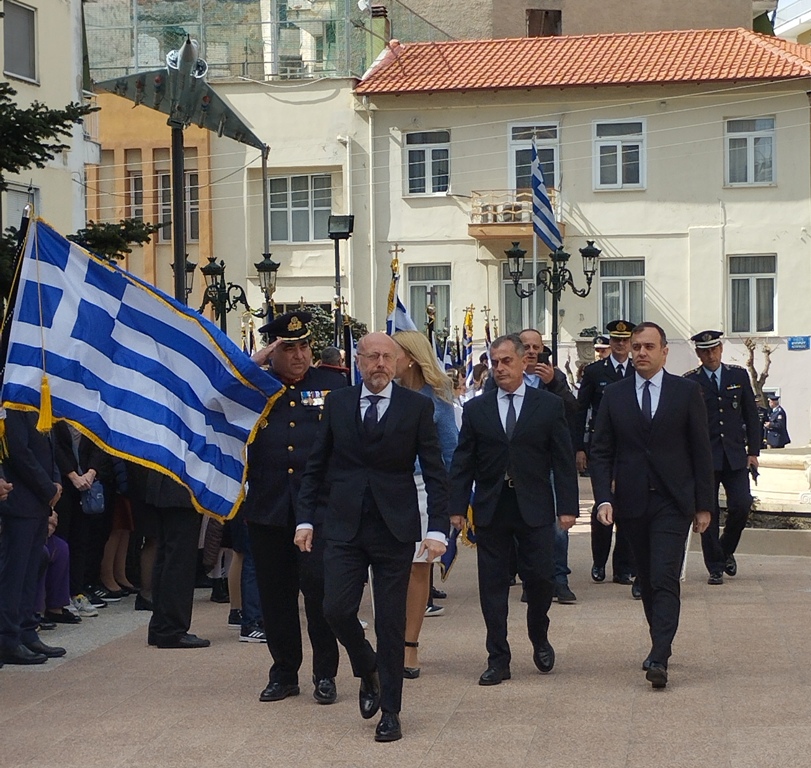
{"type": "Point", "coordinates": [142, 604]}
{"type": "Point", "coordinates": [62, 616]}
{"type": "Point", "coordinates": [636, 590]}
{"type": "Point", "coordinates": [716, 577]}
{"type": "Point", "coordinates": [388, 729]}
{"type": "Point", "coordinates": [646, 664]}
{"type": "Point", "coordinates": [369, 695]}
{"type": "Point", "coordinates": [185, 640]}
{"type": "Point", "coordinates": [730, 566]}
{"type": "Point", "coordinates": [494, 675]}
{"type": "Point", "coordinates": [22, 655]}
{"type": "Point", "coordinates": [623, 578]}
{"type": "Point", "coordinates": [279, 691]}
{"type": "Point", "coordinates": [51, 651]}
{"type": "Point", "coordinates": [564, 595]}
{"type": "Point", "coordinates": [325, 691]}
{"type": "Point", "coordinates": [598, 573]}
{"type": "Point", "coordinates": [656, 675]}
{"type": "Point", "coordinates": [544, 657]}
{"type": "Point", "coordinates": [411, 673]}
{"type": "Point", "coordinates": [438, 594]}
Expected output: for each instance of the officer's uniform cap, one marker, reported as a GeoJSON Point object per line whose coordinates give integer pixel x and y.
{"type": "Point", "coordinates": [601, 342]}
{"type": "Point", "coordinates": [707, 339]}
{"type": "Point", "coordinates": [620, 329]}
{"type": "Point", "coordinates": [291, 326]}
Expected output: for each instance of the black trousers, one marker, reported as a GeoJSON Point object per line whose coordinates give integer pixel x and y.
{"type": "Point", "coordinates": [73, 528]}
{"type": "Point", "coordinates": [174, 572]}
{"type": "Point", "coordinates": [658, 539]}
{"type": "Point", "coordinates": [717, 548]}
{"type": "Point", "coordinates": [622, 561]}
{"type": "Point", "coordinates": [281, 571]}
{"type": "Point", "coordinates": [534, 547]}
{"type": "Point", "coordinates": [21, 542]}
{"type": "Point", "coordinates": [345, 568]}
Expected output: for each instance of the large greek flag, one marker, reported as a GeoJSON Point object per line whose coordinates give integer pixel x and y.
{"type": "Point", "coordinates": [543, 217]}
{"type": "Point", "coordinates": [397, 318]}
{"type": "Point", "coordinates": [140, 374]}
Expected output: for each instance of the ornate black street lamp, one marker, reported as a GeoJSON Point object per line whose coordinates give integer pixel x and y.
{"type": "Point", "coordinates": [339, 228]}
{"type": "Point", "coordinates": [226, 297]}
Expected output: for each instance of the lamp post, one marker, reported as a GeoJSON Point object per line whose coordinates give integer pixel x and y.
{"type": "Point", "coordinates": [554, 279]}
{"type": "Point", "coordinates": [188, 277]}
{"type": "Point", "coordinates": [225, 297]}
{"type": "Point", "coordinates": [267, 269]}
{"type": "Point", "coordinates": [339, 228]}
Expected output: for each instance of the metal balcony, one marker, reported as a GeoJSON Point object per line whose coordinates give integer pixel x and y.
{"type": "Point", "coordinates": [504, 213]}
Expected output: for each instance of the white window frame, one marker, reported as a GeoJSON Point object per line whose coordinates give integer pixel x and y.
{"type": "Point", "coordinates": [620, 143]}
{"type": "Point", "coordinates": [624, 286]}
{"type": "Point", "coordinates": [431, 179]}
{"type": "Point", "coordinates": [322, 212]}
{"type": "Point", "coordinates": [12, 212]}
{"type": "Point", "coordinates": [7, 30]}
{"type": "Point", "coordinates": [192, 206]}
{"type": "Point", "coordinates": [752, 277]}
{"type": "Point", "coordinates": [508, 295]}
{"type": "Point", "coordinates": [515, 145]}
{"type": "Point", "coordinates": [135, 195]}
{"type": "Point", "coordinates": [427, 285]}
{"type": "Point", "coordinates": [751, 138]}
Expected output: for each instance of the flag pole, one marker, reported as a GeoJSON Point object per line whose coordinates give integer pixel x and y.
{"type": "Point", "coordinates": [534, 320]}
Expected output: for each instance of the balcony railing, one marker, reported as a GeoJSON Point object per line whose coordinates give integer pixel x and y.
{"type": "Point", "coordinates": [506, 206]}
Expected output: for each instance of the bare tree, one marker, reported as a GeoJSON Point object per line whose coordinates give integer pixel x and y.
{"type": "Point", "coordinates": [758, 379]}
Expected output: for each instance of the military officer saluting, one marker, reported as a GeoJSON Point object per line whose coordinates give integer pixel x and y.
{"type": "Point", "coordinates": [735, 437]}
{"type": "Point", "coordinates": [276, 461]}
{"type": "Point", "coordinates": [596, 377]}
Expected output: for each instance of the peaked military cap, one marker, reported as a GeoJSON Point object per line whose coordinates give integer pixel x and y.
{"type": "Point", "coordinates": [291, 326]}
{"type": "Point", "coordinates": [707, 339]}
{"type": "Point", "coordinates": [620, 329]}
{"type": "Point", "coordinates": [773, 396]}
{"type": "Point", "coordinates": [601, 342]}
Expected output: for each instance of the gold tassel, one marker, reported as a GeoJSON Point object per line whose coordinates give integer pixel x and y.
{"type": "Point", "coordinates": [46, 416]}
{"type": "Point", "coordinates": [3, 441]}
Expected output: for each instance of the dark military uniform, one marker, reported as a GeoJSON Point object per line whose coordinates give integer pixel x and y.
{"type": "Point", "coordinates": [777, 431]}
{"type": "Point", "coordinates": [596, 377]}
{"type": "Point", "coordinates": [276, 461]}
{"type": "Point", "coordinates": [734, 425]}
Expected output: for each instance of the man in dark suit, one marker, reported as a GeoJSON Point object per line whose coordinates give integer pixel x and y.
{"type": "Point", "coordinates": [515, 444]}
{"type": "Point", "coordinates": [32, 472]}
{"type": "Point", "coordinates": [735, 435]}
{"type": "Point", "coordinates": [276, 461]}
{"type": "Point", "coordinates": [370, 437]}
{"type": "Point", "coordinates": [651, 471]}
{"type": "Point", "coordinates": [596, 377]}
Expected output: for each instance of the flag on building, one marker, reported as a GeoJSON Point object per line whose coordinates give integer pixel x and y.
{"type": "Point", "coordinates": [397, 317]}
{"type": "Point", "coordinates": [543, 217]}
{"type": "Point", "coordinates": [467, 344]}
{"type": "Point", "coordinates": [144, 377]}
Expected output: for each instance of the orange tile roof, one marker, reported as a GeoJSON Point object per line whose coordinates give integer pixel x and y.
{"type": "Point", "coordinates": [681, 56]}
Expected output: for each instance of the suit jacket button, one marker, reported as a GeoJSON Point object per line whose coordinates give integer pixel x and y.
{"type": "Point", "coordinates": [290, 448]}
{"type": "Point", "coordinates": [292, 424]}
{"type": "Point", "coordinates": [290, 470]}
{"type": "Point", "coordinates": [293, 403]}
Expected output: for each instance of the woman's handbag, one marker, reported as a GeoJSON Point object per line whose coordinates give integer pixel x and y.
{"type": "Point", "coordinates": [92, 500]}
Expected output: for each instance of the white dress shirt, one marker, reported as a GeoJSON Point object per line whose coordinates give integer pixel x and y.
{"type": "Point", "coordinates": [615, 363]}
{"type": "Point", "coordinates": [504, 403]}
{"type": "Point", "coordinates": [655, 390]}
{"type": "Point", "coordinates": [382, 405]}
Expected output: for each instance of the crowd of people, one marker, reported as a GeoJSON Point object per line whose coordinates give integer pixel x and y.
{"type": "Point", "coordinates": [351, 487]}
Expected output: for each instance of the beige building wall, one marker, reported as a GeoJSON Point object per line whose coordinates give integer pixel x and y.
{"type": "Point", "coordinates": [473, 19]}
{"type": "Point", "coordinates": [57, 81]}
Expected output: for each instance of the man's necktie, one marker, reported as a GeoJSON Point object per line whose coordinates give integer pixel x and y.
{"type": "Point", "coordinates": [509, 427]}
{"type": "Point", "coordinates": [647, 412]}
{"type": "Point", "coordinates": [370, 417]}
{"type": "Point", "coordinates": [714, 380]}
{"type": "Point", "coordinates": [619, 370]}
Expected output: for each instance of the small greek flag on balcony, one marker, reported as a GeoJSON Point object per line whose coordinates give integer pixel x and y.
{"type": "Point", "coordinates": [543, 217]}
{"type": "Point", "coordinates": [141, 375]}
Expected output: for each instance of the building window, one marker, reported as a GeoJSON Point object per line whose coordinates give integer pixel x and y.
{"type": "Point", "coordinates": [299, 208]}
{"type": "Point", "coordinates": [427, 160]}
{"type": "Point", "coordinates": [135, 195]}
{"type": "Point", "coordinates": [429, 285]}
{"type": "Point", "coordinates": [516, 313]}
{"type": "Point", "coordinates": [619, 155]}
{"type": "Point", "coordinates": [192, 207]}
{"type": "Point", "coordinates": [546, 140]}
{"type": "Point", "coordinates": [20, 41]}
{"type": "Point", "coordinates": [622, 290]}
{"type": "Point", "coordinates": [544, 23]}
{"type": "Point", "coordinates": [750, 151]}
{"type": "Point", "coordinates": [17, 197]}
{"type": "Point", "coordinates": [752, 293]}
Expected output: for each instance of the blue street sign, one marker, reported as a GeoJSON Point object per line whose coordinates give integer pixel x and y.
{"type": "Point", "coordinates": [795, 343]}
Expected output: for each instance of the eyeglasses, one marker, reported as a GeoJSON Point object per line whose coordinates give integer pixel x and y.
{"type": "Point", "coordinates": [373, 357]}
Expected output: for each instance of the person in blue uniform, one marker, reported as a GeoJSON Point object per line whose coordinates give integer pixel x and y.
{"type": "Point", "coordinates": [776, 424]}
{"type": "Point", "coordinates": [734, 425]}
{"type": "Point", "coordinates": [596, 377]}
{"type": "Point", "coordinates": [276, 461]}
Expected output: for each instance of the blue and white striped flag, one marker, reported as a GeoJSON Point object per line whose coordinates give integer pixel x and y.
{"type": "Point", "coordinates": [143, 376]}
{"type": "Point", "coordinates": [543, 217]}
{"type": "Point", "coordinates": [399, 319]}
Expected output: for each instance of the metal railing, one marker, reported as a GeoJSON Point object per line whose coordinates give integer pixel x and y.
{"type": "Point", "coordinates": [506, 206]}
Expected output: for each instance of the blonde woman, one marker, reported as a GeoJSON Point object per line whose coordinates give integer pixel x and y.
{"type": "Point", "coordinates": [418, 369]}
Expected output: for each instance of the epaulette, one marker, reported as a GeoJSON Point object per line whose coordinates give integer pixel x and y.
{"type": "Point", "coordinates": [688, 373]}
{"type": "Point", "coordinates": [739, 367]}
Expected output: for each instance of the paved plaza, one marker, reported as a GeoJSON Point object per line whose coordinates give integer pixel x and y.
{"type": "Point", "coordinates": [739, 693]}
